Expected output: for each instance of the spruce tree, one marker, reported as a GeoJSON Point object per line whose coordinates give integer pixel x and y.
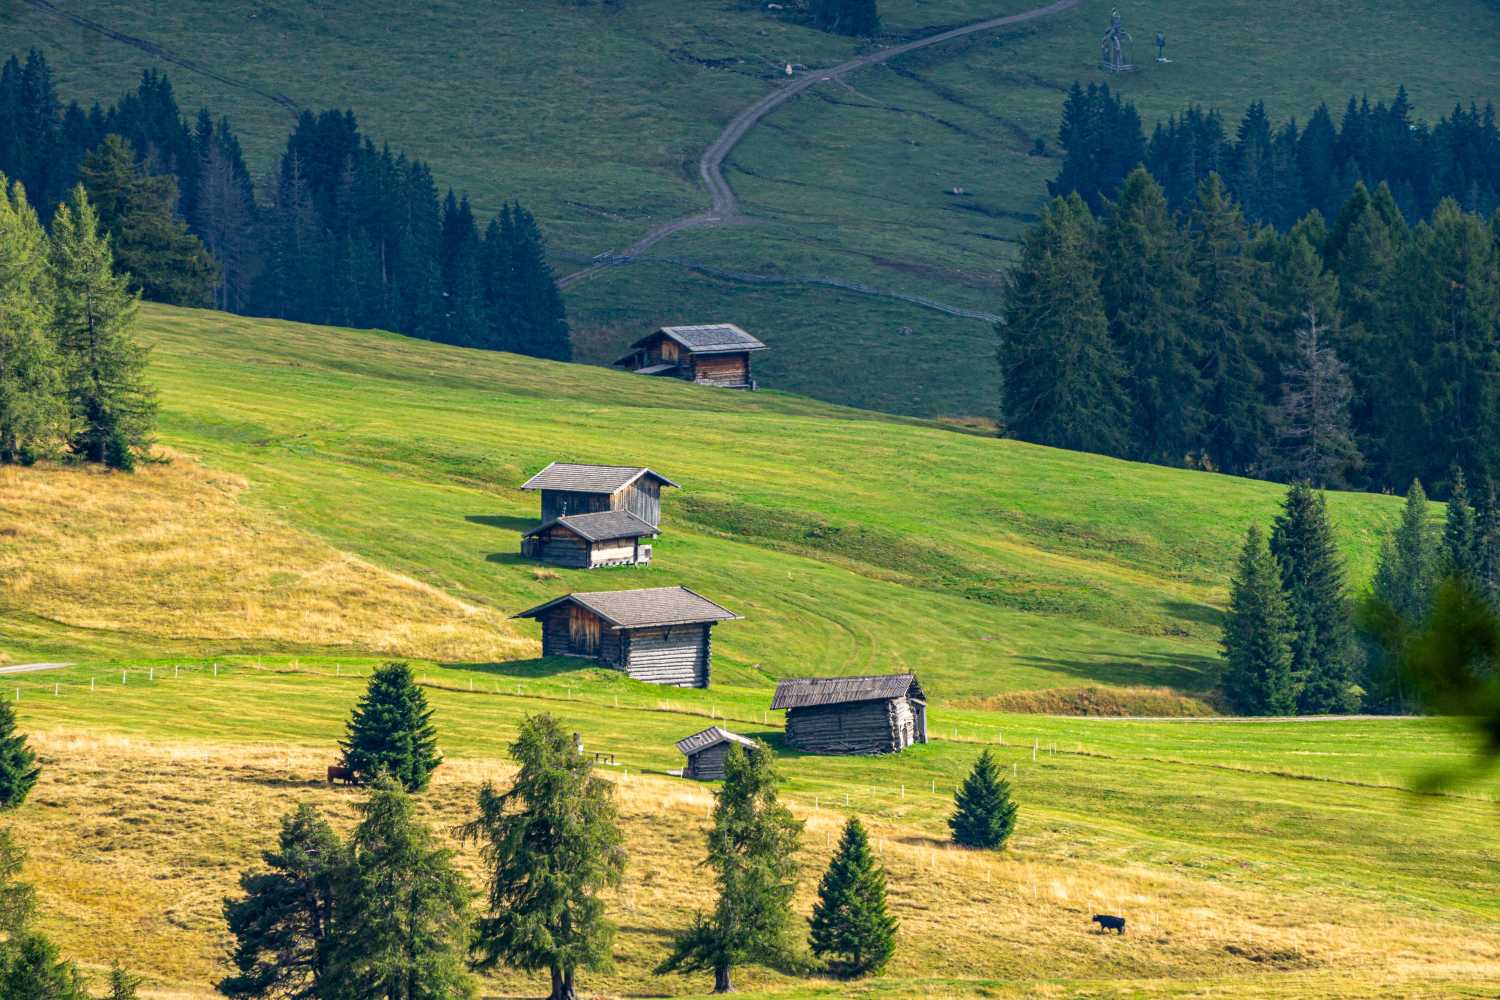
{"type": "Point", "coordinates": [1312, 580]}
{"type": "Point", "coordinates": [280, 925]}
{"type": "Point", "coordinates": [1257, 635]}
{"type": "Point", "coordinates": [551, 844]}
{"type": "Point", "coordinates": [1487, 544]}
{"type": "Point", "coordinates": [1062, 380]}
{"type": "Point", "coordinates": [850, 924]}
{"type": "Point", "coordinates": [33, 408]}
{"type": "Point", "coordinates": [400, 919]}
{"type": "Point", "coordinates": [752, 849]}
{"type": "Point", "coordinates": [391, 731]}
{"type": "Point", "coordinates": [122, 985]}
{"type": "Point", "coordinates": [1314, 440]}
{"type": "Point", "coordinates": [18, 767]}
{"type": "Point", "coordinates": [1460, 532]}
{"type": "Point", "coordinates": [984, 815]}
{"type": "Point", "coordinates": [104, 366]}
{"type": "Point", "coordinates": [1148, 294]}
{"type": "Point", "coordinates": [30, 966]}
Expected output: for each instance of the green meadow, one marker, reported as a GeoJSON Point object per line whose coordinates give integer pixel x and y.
{"type": "Point", "coordinates": [595, 116]}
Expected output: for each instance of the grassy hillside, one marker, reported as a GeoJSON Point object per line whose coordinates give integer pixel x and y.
{"type": "Point", "coordinates": [335, 497]}
{"type": "Point", "coordinates": [595, 114]}
{"type": "Point", "coordinates": [851, 543]}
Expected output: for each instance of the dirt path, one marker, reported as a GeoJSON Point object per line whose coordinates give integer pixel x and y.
{"type": "Point", "coordinates": [725, 205]}
{"type": "Point", "coordinates": [32, 668]}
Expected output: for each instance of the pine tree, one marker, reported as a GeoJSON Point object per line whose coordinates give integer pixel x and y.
{"type": "Point", "coordinates": [753, 850]}
{"type": "Point", "coordinates": [529, 314]}
{"type": "Point", "coordinates": [18, 767]}
{"type": "Point", "coordinates": [281, 923]}
{"type": "Point", "coordinates": [17, 899]}
{"type": "Point", "coordinates": [33, 408]}
{"type": "Point", "coordinates": [551, 845]}
{"type": "Point", "coordinates": [1061, 375]}
{"type": "Point", "coordinates": [122, 985]}
{"type": "Point", "coordinates": [1230, 285]}
{"type": "Point", "coordinates": [1460, 532]}
{"type": "Point", "coordinates": [1257, 635]}
{"type": "Point", "coordinates": [391, 731]}
{"type": "Point", "coordinates": [984, 815]}
{"type": "Point", "coordinates": [1487, 544]}
{"type": "Point", "coordinates": [1312, 579]}
{"type": "Point", "coordinates": [1148, 294]}
{"type": "Point", "coordinates": [849, 919]}
{"type": "Point", "coordinates": [165, 261]}
{"type": "Point", "coordinates": [400, 920]}
{"type": "Point", "coordinates": [113, 407]}
{"type": "Point", "coordinates": [1311, 424]}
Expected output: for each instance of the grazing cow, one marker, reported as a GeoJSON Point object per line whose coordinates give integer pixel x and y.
{"type": "Point", "coordinates": [1109, 923]}
{"type": "Point", "coordinates": [343, 774]}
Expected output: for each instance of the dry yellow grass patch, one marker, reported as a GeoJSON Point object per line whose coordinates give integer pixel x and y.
{"type": "Point", "coordinates": [135, 844]}
{"type": "Point", "coordinates": [170, 553]}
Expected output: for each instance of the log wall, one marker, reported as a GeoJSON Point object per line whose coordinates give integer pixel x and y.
{"type": "Point", "coordinates": [860, 727]}
{"type": "Point", "coordinates": [728, 370]}
{"type": "Point", "coordinates": [676, 656]}
{"type": "Point", "coordinates": [708, 764]}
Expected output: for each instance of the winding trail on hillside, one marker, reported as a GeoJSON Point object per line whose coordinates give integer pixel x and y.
{"type": "Point", "coordinates": [32, 668]}
{"type": "Point", "coordinates": [725, 207]}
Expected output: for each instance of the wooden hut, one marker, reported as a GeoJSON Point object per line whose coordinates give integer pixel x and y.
{"type": "Point", "coordinates": [853, 715]}
{"type": "Point", "coordinates": [706, 751]}
{"type": "Point", "coordinates": [588, 541]}
{"type": "Point", "coordinates": [591, 489]}
{"type": "Point", "coordinates": [661, 635]}
{"type": "Point", "coordinates": [715, 354]}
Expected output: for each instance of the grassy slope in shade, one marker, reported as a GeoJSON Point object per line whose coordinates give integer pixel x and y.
{"type": "Point", "coordinates": [851, 543]}
{"type": "Point", "coordinates": [595, 115]}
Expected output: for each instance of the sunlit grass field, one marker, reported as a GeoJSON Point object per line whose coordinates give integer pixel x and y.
{"type": "Point", "coordinates": [595, 115]}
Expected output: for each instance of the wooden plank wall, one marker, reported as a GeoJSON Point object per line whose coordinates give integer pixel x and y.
{"type": "Point", "coordinates": [707, 765]}
{"type": "Point", "coordinates": [557, 503]}
{"type": "Point", "coordinates": [861, 727]}
{"type": "Point", "coordinates": [643, 499]}
{"type": "Point", "coordinates": [730, 370]}
{"type": "Point", "coordinates": [674, 656]}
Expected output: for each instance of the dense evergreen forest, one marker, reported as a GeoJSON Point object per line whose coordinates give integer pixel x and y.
{"type": "Point", "coordinates": [1359, 348]}
{"type": "Point", "coordinates": [341, 232]}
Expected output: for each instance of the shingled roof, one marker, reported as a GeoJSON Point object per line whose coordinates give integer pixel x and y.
{"type": "Point", "coordinates": [713, 338]}
{"type": "Point", "coordinates": [806, 692]}
{"type": "Point", "coordinates": [653, 607]}
{"type": "Point", "coordinates": [711, 737]}
{"type": "Point", "coordinates": [603, 526]}
{"type": "Point", "coordinates": [571, 478]}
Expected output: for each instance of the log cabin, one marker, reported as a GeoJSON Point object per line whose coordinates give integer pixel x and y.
{"type": "Point", "coordinates": [569, 489]}
{"type": "Point", "coordinates": [716, 354]}
{"type": "Point", "coordinates": [589, 541]}
{"type": "Point", "coordinates": [853, 715]}
{"type": "Point", "coordinates": [662, 635]}
{"type": "Point", "coordinates": [706, 751]}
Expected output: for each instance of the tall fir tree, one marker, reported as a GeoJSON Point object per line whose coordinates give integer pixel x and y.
{"type": "Point", "coordinates": [551, 845]}
{"type": "Point", "coordinates": [151, 245]}
{"type": "Point", "coordinates": [1228, 308]}
{"type": "Point", "coordinates": [1487, 543]}
{"type": "Point", "coordinates": [400, 922]}
{"type": "Point", "coordinates": [752, 849]}
{"type": "Point", "coordinates": [1312, 580]}
{"type": "Point", "coordinates": [984, 815]}
{"type": "Point", "coordinates": [33, 407]}
{"type": "Point", "coordinates": [1257, 639]}
{"type": "Point", "coordinates": [1460, 532]}
{"type": "Point", "coordinates": [850, 924]}
{"type": "Point", "coordinates": [1148, 296]}
{"type": "Point", "coordinates": [18, 766]}
{"type": "Point", "coordinates": [281, 922]}
{"type": "Point", "coordinates": [1313, 441]}
{"type": "Point", "coordinates": [1062, 380]}
{"type": "Point", "coordinates": [391, 731]}
{"type": "Point", "coordinates": [113, 406]}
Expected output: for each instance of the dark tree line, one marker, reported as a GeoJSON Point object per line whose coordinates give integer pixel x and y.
{"type": "Point", "coordinates": [341, 232]}
{"type": "Point", "coordinates": [1363, 352]}
{"type": "Point", "coordinates": [1278, 173]}
{"type": "Point", "coordinates": [845, 17]}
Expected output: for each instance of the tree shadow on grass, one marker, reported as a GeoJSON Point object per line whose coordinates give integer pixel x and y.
{"type": "Point", "coordinates": [1184, 672]}
{"type": "Point", "coordinates": [510, 559]}
{"type": "Point", "coordinates": [521, 524]}
{"type": "Point", "coordinates": [1201, 614]}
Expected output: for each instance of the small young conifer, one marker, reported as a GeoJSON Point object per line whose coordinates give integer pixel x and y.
{"type": "Point", "coordinates": [985, 816]}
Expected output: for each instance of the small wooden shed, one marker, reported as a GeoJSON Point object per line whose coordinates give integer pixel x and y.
{"type": "Point", "coordinates": [853, 715]}
{"type": "Point", "coordinates": [588, 541]}
{"type": "Point", "coordinates": [661, 635]}
{"type": "Point", "coordinates": [706, 751]}
{"type": "Point", "coordinates": [713, 354]}
{"type": "Point", "coordinates": [568, 489]}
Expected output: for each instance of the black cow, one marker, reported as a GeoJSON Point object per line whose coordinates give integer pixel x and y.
{"type": "Point", "coordinates": [1109, 923]}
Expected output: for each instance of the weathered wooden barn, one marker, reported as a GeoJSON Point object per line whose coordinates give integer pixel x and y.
{"type": "Point", "coordinates": [715, 354]}
{"type": "Point", "coordinates": [706, 751]}
{"type": "Point", "coordinates": [591, 489]}
{"type": "Point", "coordinates": [588, 541]}
{"type": "Point", "coordinates": [853, 715]}
{"type": "Point", "coordinates": [662, 635]}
